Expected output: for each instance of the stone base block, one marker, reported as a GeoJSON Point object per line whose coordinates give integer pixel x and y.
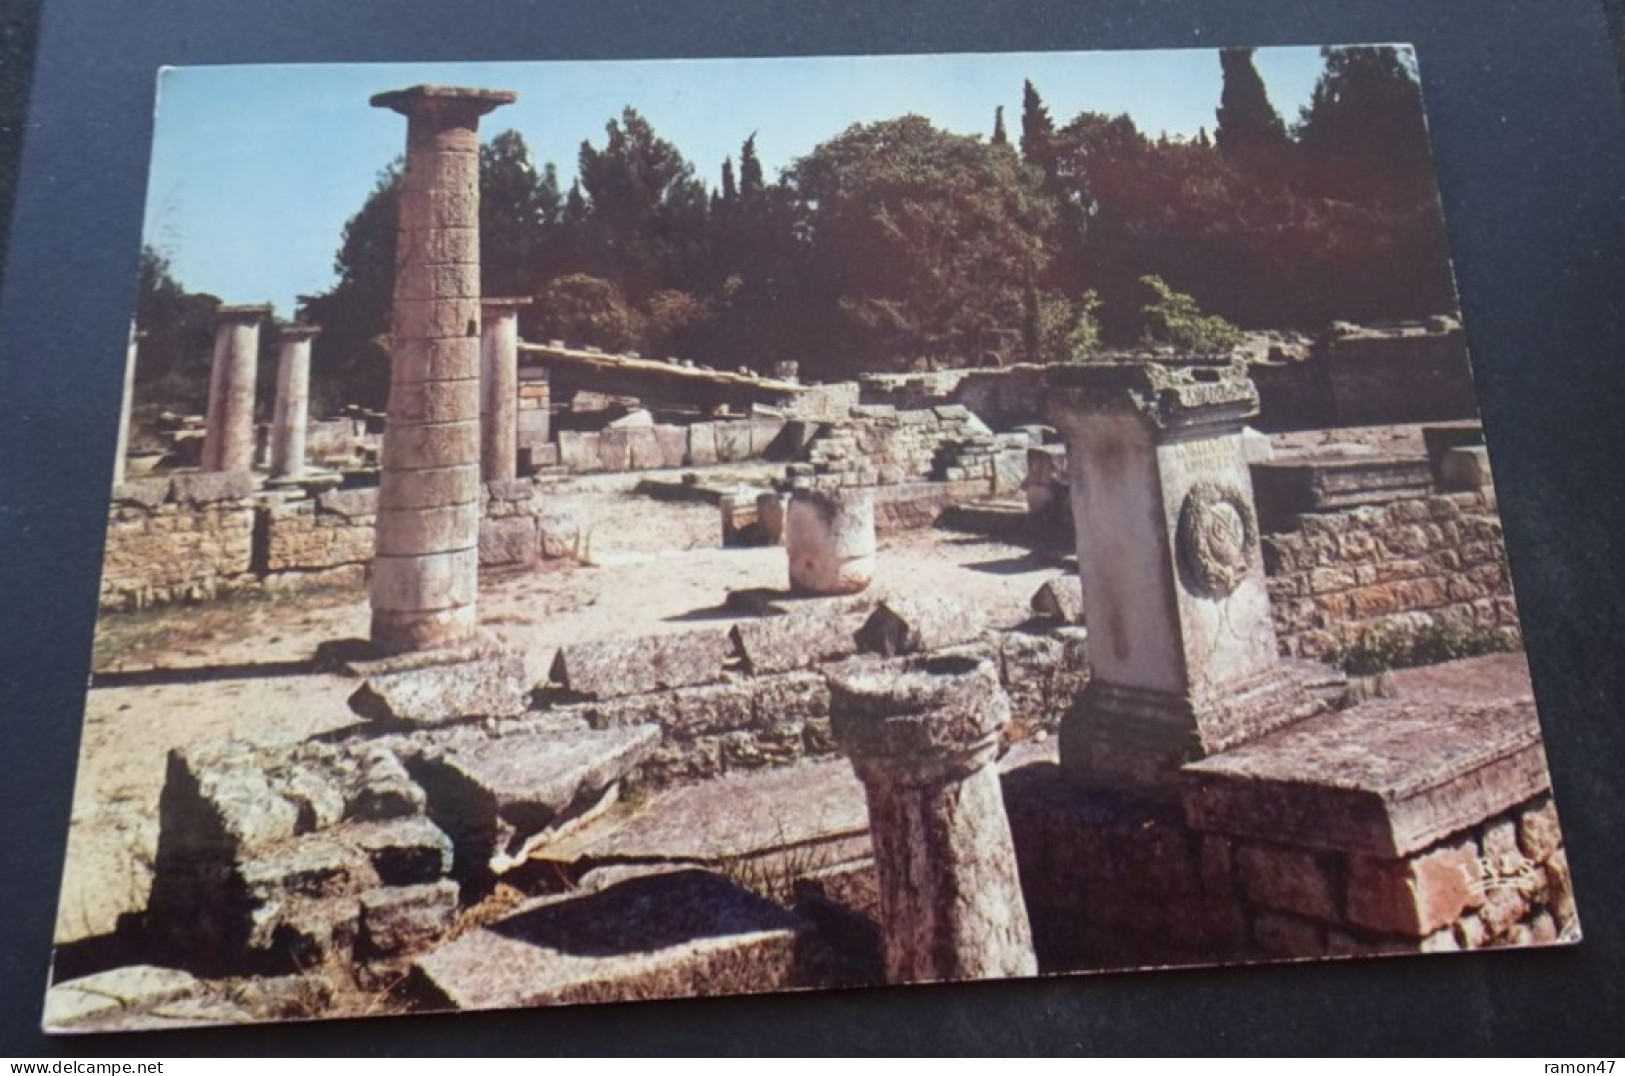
{"type": "Point", "coordinates": [481, 679]}
{"type": "Point", "coordinates": [678, 934]}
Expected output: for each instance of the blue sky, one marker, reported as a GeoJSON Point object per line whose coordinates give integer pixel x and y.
{"type": "Point", "coordinates": [255, 169]}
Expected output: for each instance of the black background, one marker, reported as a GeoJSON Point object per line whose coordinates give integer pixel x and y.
{"type": "Point", "coordinates": [1524, 113]}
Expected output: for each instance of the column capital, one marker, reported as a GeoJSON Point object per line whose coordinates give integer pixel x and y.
{"type": "Point", "coordinates": [459, 100]}
{"type": "Point", "coordinates": [498, 305]}
{"type": "Point", "coordinates": [939, 715]}
{"type": "Point", "coordinates": [293, 332]}
{"type": "Point", "coordinates": [1169, 395]}
{"type": "Point", "coordinates": [243, 313]}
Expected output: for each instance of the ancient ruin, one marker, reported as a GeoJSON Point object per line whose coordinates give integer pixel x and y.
{"type": "Point", "coordinates": [577, 675]}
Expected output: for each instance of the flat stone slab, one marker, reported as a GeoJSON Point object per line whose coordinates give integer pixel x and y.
{"type": "Point", "coordinates": [609, 668]}
{"type": "Point", "coordinates": [78, 1002]}
{"type": "Point", "coordinates": [815, 806]}
{"type": "Point", "coordinates": [434, 687]}
{"type": "Point", "coordinates": [800, 638]}
{"type": "Point", "coordinates": [1385, 778]}
{"type": "Point", "coordinates": [678, 934]}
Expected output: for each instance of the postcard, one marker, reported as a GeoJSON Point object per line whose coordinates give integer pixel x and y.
{"type": "Point", "coordinates": [607, 531]}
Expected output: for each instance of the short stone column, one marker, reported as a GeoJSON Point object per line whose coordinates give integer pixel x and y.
{"type": "Point", "coordinates": [829, 537]}
{"type": "Point", "coordinates": [499, 388]}
{"type": "Point", "coordinates": [292, 413]}
{"type": "Point", "coordinates": [228, 436]}
{"type": "Point", "coordinates": [923, 743]}
{"type": "Point", "coordinates": [121, 454]}
{"type": "Point", "coordinates": [1181, 643]}
{"type": "Point", "coordinates": [425, 570]}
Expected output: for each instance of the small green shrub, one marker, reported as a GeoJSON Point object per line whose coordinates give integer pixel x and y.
{"type": "Point", "coordinates": [1378, 651]}
{"type": "Point", "coordinates": [1173, 318]}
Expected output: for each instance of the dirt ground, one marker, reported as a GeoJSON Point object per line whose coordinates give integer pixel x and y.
{"type": "Point", "coordinates": [239, 667]}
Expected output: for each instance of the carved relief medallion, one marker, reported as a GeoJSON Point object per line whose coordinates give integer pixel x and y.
{"type": "Point", "coordinates": [1217, 533]}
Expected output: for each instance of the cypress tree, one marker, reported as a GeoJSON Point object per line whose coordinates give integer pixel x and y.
{"type": "Point", "coordinates": [750, 171]}
{"type": "Point", "coordinates": [1037, 129]}
{"type": "Point", "coordinates": [999, 137]}
{"type": "Point", "coordinates": [1250, 132]}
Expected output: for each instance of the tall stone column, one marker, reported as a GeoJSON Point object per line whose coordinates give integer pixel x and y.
{"type": "Point", "coordinates": [1181, 643]}
{"type": "Point", "coordinates": [228, 436]}
{"type": "Point", "coordinates": [499, 388]}
{"type": "Point", "coordinates": [923, 743]}
{"type": "Point", "coordinates": [292, 414]}
{"type": "Point", "coordinates": [121, 454]}
{"type": "Point", "coordinates": [426, 565]}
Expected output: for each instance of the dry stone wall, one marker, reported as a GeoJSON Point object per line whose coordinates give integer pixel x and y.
{"type": "Point", "coordinates": [1389, 572]}
{"type": "Point", "coordinates": [196, 537]}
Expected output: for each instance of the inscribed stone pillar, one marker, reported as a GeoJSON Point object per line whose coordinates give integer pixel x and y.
{"type": "Point", "coordinates": [426, 564]}
{"type": "Point", "coordinates": [228, 436]}
{"type": "Point", "coordinates": [1181, 643]}
{"type": "Point", "coordinates": [923, 743]}
{"type": "Point", "coordinates": [829, 537]}
{"type": "Point", "coordinates": [292, 414]}
{"type": "Point", "coordinates": [120, 456]}
{"type": "Point", "coordinates": [499, 388]}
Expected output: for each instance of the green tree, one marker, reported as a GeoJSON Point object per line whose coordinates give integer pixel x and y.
{"type": "Point", "coordinates": [1173, 318]}
{"type": "Point", "coordinates": [920, 243]}
{"type": "Point", "coordinates": [751, 184]}
{"type": "Point", "coordinates": [172, 365]}
{"type": "Point", "coordinates": [586, 311]}
{"type": "Point", "coordinates": [1250, 132]}
{"type": "Point", "coordinates": [646, 216]}
{"type": "Point", "coordinates": [1363, 132]}
{"type": "Point", "coordinates": [1037, 130]}
{"type": "Point", "coordinates": [519, 214]}
{"type": "Point", "coordinates": [999, 137]}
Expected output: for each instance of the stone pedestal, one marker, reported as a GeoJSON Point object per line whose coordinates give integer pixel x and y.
{"type": "Point", "coordinates": [829, 535]}
{"type": "Point", "coordinates": [923, 743]}
{"type": "Point", "coordinates": [292, 414]}
{"type": "Point", "coordinates": [121, 453]}
{"type": "Point", "coordinates": [1180, 638]}
{"type": "Point", "coordinates": [499, 388]}
{"type": "Point", "coordinates": [425, 572]}
{"type": "Point", "coordinates": [228, 437]}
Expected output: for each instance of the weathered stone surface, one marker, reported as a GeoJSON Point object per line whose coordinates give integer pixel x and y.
{"type": "Point", "coordinates": [1466, 467]}
{"type": "Point", "coordinates": [815, 809]}
{"type": "Point", "coordinates": [1385, 778]}
{"type": "Point", "coordinates": [407, 851]}
{"type": "Point", "coordinates": [511, 542]}
{"type": "Point", "coordinates": [399, 919]}
{"type": "Point", "coordinates": [682, 933]}
{"type": "Point", "coordinates": [434, 687]}
{"type": "Point", "coordinates": [77, 1002]}
{"type": "Point", "coordinates": [1288, 936]}
{"type": "Point", "coordinates": [1060, 599]}
{"type": "Point", "coordinates": [919, 625]}
{"type": "Point", "coordinates": [607, 668]}
{"type": "Point", "coordinates": [211, 486]}
{"type": "Point", "coordinates": [802, 637]}
{"type": "Point", "coordinates": [1288, 880]}
{"type": "Point", "coordinates": [1538, 833]}
{"type": "Point", "coordinates": [558, 530]}
{"type": "Point", "coordinates": [496, 797]}
{"type": "Point", "coordinates": [922, 741]}
{"type": "Point", "coordinates": [379, 788]}
{"type": "Point", "coordinates": [1417, 895]}
{"type": "Point", "coordinates": [829, 538]}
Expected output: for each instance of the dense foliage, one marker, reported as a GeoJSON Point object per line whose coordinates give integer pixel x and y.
{"type": "Point", "coordinates": [897, 245]}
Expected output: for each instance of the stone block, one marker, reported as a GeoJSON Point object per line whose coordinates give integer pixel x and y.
{"type": "Point", "coordinates": [805, 636]}
{"type": "Point", "coordinates": [379, 788]}
{"type": "Point", "coordinates": [511, 542]}
{"type": "Point", "coordinates": [407, 851]}
{"type": "Point", "coordinates": [433, 687]}
{"type": "Point", "coordinates": [146, 493]}
{"type": "Point", "coordinates": [1466, 467]}
{"type": "Point", "coordinates": [1060, 599]}
{"type": "Point", "coordinates": [558, 530]}
{"type": "Point", "coordinates": [678, 934]}
{"type": "Point", "coordinates": [732, 440]}
{"type": "Point", "coordinates": [1417, 895]}
{"type": "Point", "coordinates": [209, 487]}
{"type": "Point", "coordinates": [615, 449]}
{"type": "Point", "coordinates": [918, 625]}
{"type": "Point", "coordinates": [1289, 880]}
{"type": "Point", "coordinates": [608, 668]}
{"type": "Point", "coordinates": [672, 442]}
{"type": "Point", "coordinates": [1385, 778]}
{"type": "Point", "coordinates": [702, 444]}
{"type": "Point", "coordinates": [1288, 936]}
{"type": "Point", "coordinates": [76, 1002]}
{"type": "Point", "coordinates": [579, 451]}
{"type": "Point", "coordinates": [397, 920]}
{"type": "Point", "coordinates": [497, 796]}
{"type": "Point", "coordinates": [1538, 833]}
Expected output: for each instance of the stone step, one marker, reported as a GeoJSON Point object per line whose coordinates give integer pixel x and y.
{"type": "Point", "coordinates": [498, 797]}
{"type": "Point", "coordinates": [675, 934]}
